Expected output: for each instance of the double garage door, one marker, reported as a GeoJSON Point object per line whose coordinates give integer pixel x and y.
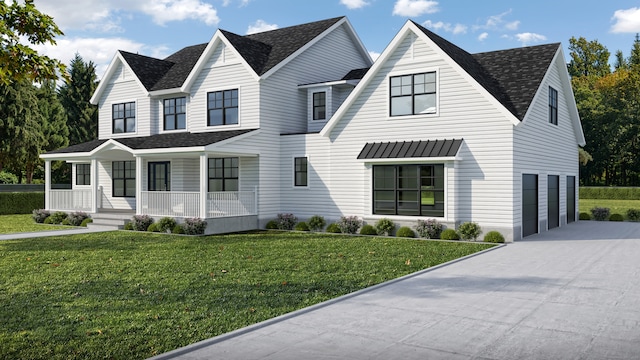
{"type": "Point", "coordinates": [530, 202]}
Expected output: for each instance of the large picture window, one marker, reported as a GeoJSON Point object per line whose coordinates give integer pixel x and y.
{"type": "Point", "coordinates": [300, 171]}
{"type": "Point", "coordinates": [222, 107]}
{"type": "Point", "coordinates": [124, 117]}
{"type": "Point", "coordinates": [413, 94]}
{"type": "Point", "coordinates": [124, 178]}
{"type": "Point", "coordinates": [553, 106]}
{"type": "Point", "coordinates": [175, 113]}
{"type": "Point", "coordinates": [83, 174]}
{"type": "Point", "coordinates": [223, 174]}
{"type": "Point", "coordinates": [410, 190]}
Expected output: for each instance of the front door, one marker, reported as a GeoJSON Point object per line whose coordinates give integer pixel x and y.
{"type": "Point", "coordinates": [160, 176]}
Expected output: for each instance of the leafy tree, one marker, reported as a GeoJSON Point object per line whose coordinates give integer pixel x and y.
{"type": "Point", "coordinates": [19, 61]}
{"type": "Point", "coordinates": [621, 62]}
{"type": "Point", "coordinates": [82, 117]}
{"type": "Point", "coordinates": [588, 58]}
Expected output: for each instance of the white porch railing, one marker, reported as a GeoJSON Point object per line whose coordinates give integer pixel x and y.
{"type": "Point", "coordinates": [231, 203]}
{"type": "Point", "coordinates": [170, 203]}
{"type": "Point", "coordinates": [70, 200]}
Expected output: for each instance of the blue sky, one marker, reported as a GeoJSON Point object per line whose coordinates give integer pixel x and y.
{"type": "Point", "coordinates": [97, 28]}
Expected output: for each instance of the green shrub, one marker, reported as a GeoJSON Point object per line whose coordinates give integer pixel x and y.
{"type": "Point", "coordinates": [48, 220]}
{"type": "Point", "coordinates": [469, 230]}
{"type": "Point", "coordinates": [600, 213]}
{"type": "Point", "coordinates": [20, 202]}
{"type": "Point", "coordinates": [58, 217]}
{"type": "Point", "coordinates": [584, 216]}
{"type": "Point", "coordinates": [368, 230]}
{"type": "Point", "coordinates": [8, 178]}
{"type": "Point", "coordinates": [128, 226]}
{"type": "Point", "coordinates": [177, 229]}
{"type": "Point", "coordinates": [385, 227]}
{"type": "Point", "coordinates": [610, 193]}
{"type": "Point", "coordinates": [616, 217]}
{"type": "Point", "coordinates": [316, 223]}
{"type": "Point", "coordinates": [141, 222]}
{"type": "Point", "coordinates": [153, 228]}
{"type": "Point", "coordinates": [493, 237]}
{"type": "Point", "coordinates": [633, 215]}
{"type": "Point", "coordinates": [76, 218]}
{"type": "Point", "coordinates": [86, 221]}
{"type": "Point", "coordinates": [194, 226]}
{"type": "Point", "coordinates": [429, 229]}
{"type": "Point", "coordinates": [166, 224]}
{"type": "Point", "coordinates": [449, 234]}
{"type": "Point", "coordinates": [40, 215]}
{"type": "Point", "coordinates": [272, 225]}
{"type": "Point", "coordinates": [301, 226]}
{"type": "Point", "coordinates": [286, 221]}
{"type": "Point", "coordinates": [349, 224]}
{"type": "Point", "coordinates": [406, 232]}
{"type": "Point", "coordinates": [65, 222]}
{"type": "Point", "coordinates": [333, 228]}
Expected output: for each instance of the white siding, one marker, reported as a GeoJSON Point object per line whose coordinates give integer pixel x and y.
{"type": "Point", "coordinates": [185, 174]}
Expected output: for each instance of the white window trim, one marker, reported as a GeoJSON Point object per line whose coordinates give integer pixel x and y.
{"type": "Point", "coordinates": [186, 114]}
{"type": "Point", "coordinates": [206, 109]}
{"type": "Point", "coordinates": [124, 134]}
{"type": "Point", "coordinates": [74, 171]}
{"type": "Point", "coordinates": [404, 73]}
{"type": "Point", "coordinates": [328, 90]}
{"type": "Point", "coordinates": [293, 173]}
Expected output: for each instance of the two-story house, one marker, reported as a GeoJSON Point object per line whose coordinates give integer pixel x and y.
{"type": "Point", "coordinates": [298, 120]}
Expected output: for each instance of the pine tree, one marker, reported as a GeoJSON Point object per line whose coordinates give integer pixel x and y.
{"type": "Point", "coordinates": [82, 117]}
{"type": "Point", "coordinates": [634, 59]}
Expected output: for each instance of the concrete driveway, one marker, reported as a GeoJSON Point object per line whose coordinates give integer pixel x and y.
{"type": "Point", "coordinates": [570, 293]}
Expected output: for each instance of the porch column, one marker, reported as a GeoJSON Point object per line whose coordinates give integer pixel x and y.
{"type": "Point", "coordinates": [139, 175]}
{"type": "Point", "coordinates": [95, 194]}
{"type": "Point", "coordinates": [204, 168]}
{"type": "Point", "coordinates": [47, 184]}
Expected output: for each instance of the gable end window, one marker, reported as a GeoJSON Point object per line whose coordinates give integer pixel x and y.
{"type": "Point", "coordinates": [319, 106]}
{"type": "Point", "coordinates": [222, 107]}
{"type": "Point", "coordinates": [300, 172]}
{"type": "Point", "coordinates": [124, 178]}
{"type": "Point", "coordinates": [413, 94]}
{"type": "Point", "coordinates": [409, 190]}
{"type": "Point", "coordinates": [553, 106]}
{"type": "Point", "coordinates": [83, 174]}
{"type": "Point", "coordinates": [124, 117]}
{"type": "Point", "coordinates": [175, 113]}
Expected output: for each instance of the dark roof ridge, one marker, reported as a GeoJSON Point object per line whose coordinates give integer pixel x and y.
{"type": "Point", "coordinates": [147, 69]}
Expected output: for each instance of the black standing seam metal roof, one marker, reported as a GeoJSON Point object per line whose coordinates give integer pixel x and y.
{"type": "Point", "coordinates": [160, 141]}
{"type": "Point", "coordinates": [511, 76]}
{"type": "Point", "coordinates": [410, 149]}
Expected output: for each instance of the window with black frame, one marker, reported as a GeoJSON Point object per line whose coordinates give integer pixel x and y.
{"type": "Point", "coordinates": [223, 174]}
{"type": "Point", "coordinates": [409, 190]}
{"type": "Point", "coordinates": [124, 117]}
{"type": "Point", "coordinates": [222, 107]}
{"type": "Point", "coordinates": [413, 94]}
{"type": "Point", "coordinates": [124, 178]}
{"type": "Point", "coordinates": [83, 174]}
{"type": "Point", "coordinates": [175, 113]}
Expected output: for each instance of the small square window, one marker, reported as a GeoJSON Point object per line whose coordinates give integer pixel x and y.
{"type": "Point", "coordinates": [413, 94]}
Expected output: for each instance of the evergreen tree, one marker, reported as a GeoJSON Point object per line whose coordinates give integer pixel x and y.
{"type": "Point", "coordinates": [588, 58]}
{"type": "Point", "coordinates": [621, 62]}
{"type": "Point", "coordinates": [82, 117]}
{"type": "Point", "coordinates": [634, 59]}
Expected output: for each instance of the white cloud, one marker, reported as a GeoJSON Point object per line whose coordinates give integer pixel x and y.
{"type": "Point", "coordinates": [626, 21]}
{"type": "Point", "coordinates": [512, 25]}
{"type": "Point", "coordinates": [374, 55]}
{"type": "Point", "coordinates": [414, 8]}
{"type": "Point", "coordinates": [260, 26]}
{"type": "Point", "coordinates": [354, 4]}
{"type": "Point", "coordinates": [528, 38]}
{"type": "Point", "coordinates": [497, 22]}
{"type": "Point", "coordinates": [164, 11]}
{"type": "Point", "coordinates": [483, 36]}
{"type": "Point", "coordinates": [455, 29]}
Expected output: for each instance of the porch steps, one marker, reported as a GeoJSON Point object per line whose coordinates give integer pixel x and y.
{"type": "Point", "coordinates": [110, 220]}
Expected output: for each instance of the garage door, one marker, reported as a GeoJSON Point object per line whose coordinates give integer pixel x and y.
{"type": "Point", "coordinates": [553, 201]}
{"type": "Point", "coordinates": [529, 204]}
{"type": "Point", "coordinates": [571, 199]}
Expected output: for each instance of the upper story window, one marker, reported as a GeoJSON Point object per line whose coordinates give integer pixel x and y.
{"type": "Point", "coordinates": [124, 117]}
{"type": "Point", "coordinates": [319, 105]}
{"type": "Point", "coordinates": [413, 94]}
{"type": "Point", "coordinates": [300, 173]}
{"type": "Point", "coordinates": [222, 107]}
{"type": "Point", "coordinates": [83, 174]}
{"type": "Point", "coordinates": [175, 113]}
{"type": "Point", "coordinates": [553, 106]}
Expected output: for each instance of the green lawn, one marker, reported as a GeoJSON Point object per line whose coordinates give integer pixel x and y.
{"type": "Point", "coordinates": [124, 295]}
{"type": "Point", "coordinates": [24, 223]}
{"type": "Point", "coordinates": [616, 206]}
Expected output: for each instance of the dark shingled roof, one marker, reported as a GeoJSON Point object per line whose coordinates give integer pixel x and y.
{"type": "Point", "coordinates": [511, 76]}
{"type": "Point", "coordinates": [410, 149]}
{"type": "Point", "coordinates": [160, 141]}
{"type": "Point", "coordinates": [148, 70]}
{"type": "Point", "coordinates": [355, 74]}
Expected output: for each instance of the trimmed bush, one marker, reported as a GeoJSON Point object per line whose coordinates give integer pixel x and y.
{"type": "Point", "coordinates": [76, 218]}
{"type": "Point", "coordinates": [286, 221]}
{"type": "Point", "coordinates": [20, 202]}
{"type": "Point", "coordinates": [128, 226]}
{"type": "Point", "coordinates": [333, 228]}
{"type": "Point", "coordinates": [177, 229]}
{"type": "Point", "coordinates": [584, 216]}
{"type": "Point", "coordinates": [141, 222]}
{"type": "Point", "coordinates": [616, 217]}
{"type": "Point", "coordinates": [633, 215]}
{"type": "Point", "coordinates": [449, 234]}
{"type": "Point", "coordinates": [469, 230]}
{"type": "Point", "coordinates": [272, 225]}
{"type": "Point", "coordinates": [493, 237]}
{"type": "Point", "coordinates": [316, 223]}
{"type": "Point", "coordinates": [47, 220]}
{"type": "Point", "coordinates": [600, 213]}
{"type": "Point", "coordinates": [385, 227]}
{"type": "Point", "coordinates": [153, 228]}
{"type": "Point", "coordinates": [368, 230]}
{"type": "Point", "coordinates": [610, 193]}
{"type": "Point", "coordinates": [301, 226]}
{"type": "Point", "coordinates": [40, 215]}
{"type": "Point", "coordinates": [405, 232]}
{"type": "Point", "coordinates": [166, 224]}
{"type": "Point", "coordinates": [349, 224]}
{"type": "Point", "coordinates": [58, 217]}
{"type": "Point", "coordinates": [194, 226]}
{"type": "Point", "coordinates": [86, 222]}
{"type": "Point", "coordinates": [429, 229]}
{"type": "Point", "coordinates": [65, 222]}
